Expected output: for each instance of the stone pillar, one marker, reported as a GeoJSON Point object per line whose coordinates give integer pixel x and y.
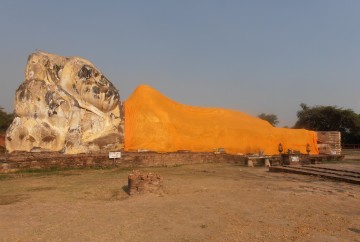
{"type": "Point", "coordinates": [267, 162]}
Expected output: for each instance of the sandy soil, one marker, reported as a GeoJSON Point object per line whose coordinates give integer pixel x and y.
{"type": "Point", "coordinates": [208, 202]}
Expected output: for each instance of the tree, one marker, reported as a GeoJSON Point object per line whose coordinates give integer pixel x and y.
{"type": "Point", "coordinates": [330, 118]}
{"type": "Point", "coordinates": [5, 119]}
{"type": "Point", "coordinates": [271, 118]}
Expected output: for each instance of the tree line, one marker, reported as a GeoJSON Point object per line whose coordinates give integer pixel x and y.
{"type": "Point", "coordinates": [5, 119]}
{"type": "Point", "coordinates": [325, 118]}
{"type": "Point", "coordinates": [317, 118]}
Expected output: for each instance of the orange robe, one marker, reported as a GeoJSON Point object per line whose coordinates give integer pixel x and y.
{"type": "Point", "coordinates": [155, 122]}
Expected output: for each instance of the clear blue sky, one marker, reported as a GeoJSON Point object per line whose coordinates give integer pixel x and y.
{"type": "Point", "coordinates": [253, 56]}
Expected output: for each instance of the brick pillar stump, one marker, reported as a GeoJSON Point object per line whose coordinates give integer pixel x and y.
{"type": "Point", "coordinates": [142, 182]}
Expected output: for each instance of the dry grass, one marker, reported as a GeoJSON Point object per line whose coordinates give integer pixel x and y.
{"type": "Point", "coordinates": [209, 202]}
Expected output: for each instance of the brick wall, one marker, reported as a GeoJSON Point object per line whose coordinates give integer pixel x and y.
{"type": "Point", "coordinates": [25, 161]}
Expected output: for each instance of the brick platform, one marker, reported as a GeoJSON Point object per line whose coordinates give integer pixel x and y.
{"type": "Point", "coordinates": [25, 161]}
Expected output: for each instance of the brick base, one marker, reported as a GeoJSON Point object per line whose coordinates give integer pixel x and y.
{"type": "Point", "coordinates": [26, 161]}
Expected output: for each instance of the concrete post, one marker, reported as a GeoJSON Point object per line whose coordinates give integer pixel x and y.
{"type": "Point", "coordinates": [267, 162]}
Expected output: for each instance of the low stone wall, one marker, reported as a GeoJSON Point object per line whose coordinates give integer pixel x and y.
{"type": "Point", "coordinates": [27, 161]}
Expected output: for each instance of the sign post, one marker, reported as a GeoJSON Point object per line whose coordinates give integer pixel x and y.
{"type": "Point", "coordinates": [114, 155]}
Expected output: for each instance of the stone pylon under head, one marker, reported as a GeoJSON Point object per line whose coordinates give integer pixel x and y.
{"type": "Point", "coordinates": [65, 104]}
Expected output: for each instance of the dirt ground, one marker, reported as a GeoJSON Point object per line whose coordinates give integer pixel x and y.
{"type": "Point", "coordinates": [207, 202]}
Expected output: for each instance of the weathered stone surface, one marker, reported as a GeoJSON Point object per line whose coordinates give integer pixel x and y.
{"type": "Point", "coordinates": [67, 105]}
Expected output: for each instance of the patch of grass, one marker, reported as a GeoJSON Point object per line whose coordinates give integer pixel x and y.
{"type": "Point", "coordinates": [10, 199]}
{"type": "Point", "coordinates": [37, 189]}
{"type": "Point", "coordinates": [60, 171]}
{"type": "Point", "coordinates": [69, 174]}
{"type": "Point", "coordinates": [124, 169]}
{"type": "Point", "coordinates": [52, 171]}
{"type": "Point", "coordinates": [354, 230]}
{"type": "Point", "coordinates": [5, 177]}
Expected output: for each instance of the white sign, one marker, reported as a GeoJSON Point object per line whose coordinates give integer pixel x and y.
{"type": "Point", "coordinates": [115, 155]}
{"type": "Point", "coordinates": [294, 158]}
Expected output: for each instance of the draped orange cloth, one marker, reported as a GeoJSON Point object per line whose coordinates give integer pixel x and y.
{"type": "Point", "coordinates": [155, 122]}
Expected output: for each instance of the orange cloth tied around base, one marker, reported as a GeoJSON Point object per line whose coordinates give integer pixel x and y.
{"type": "Point", "coordinates": [156, 123]}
